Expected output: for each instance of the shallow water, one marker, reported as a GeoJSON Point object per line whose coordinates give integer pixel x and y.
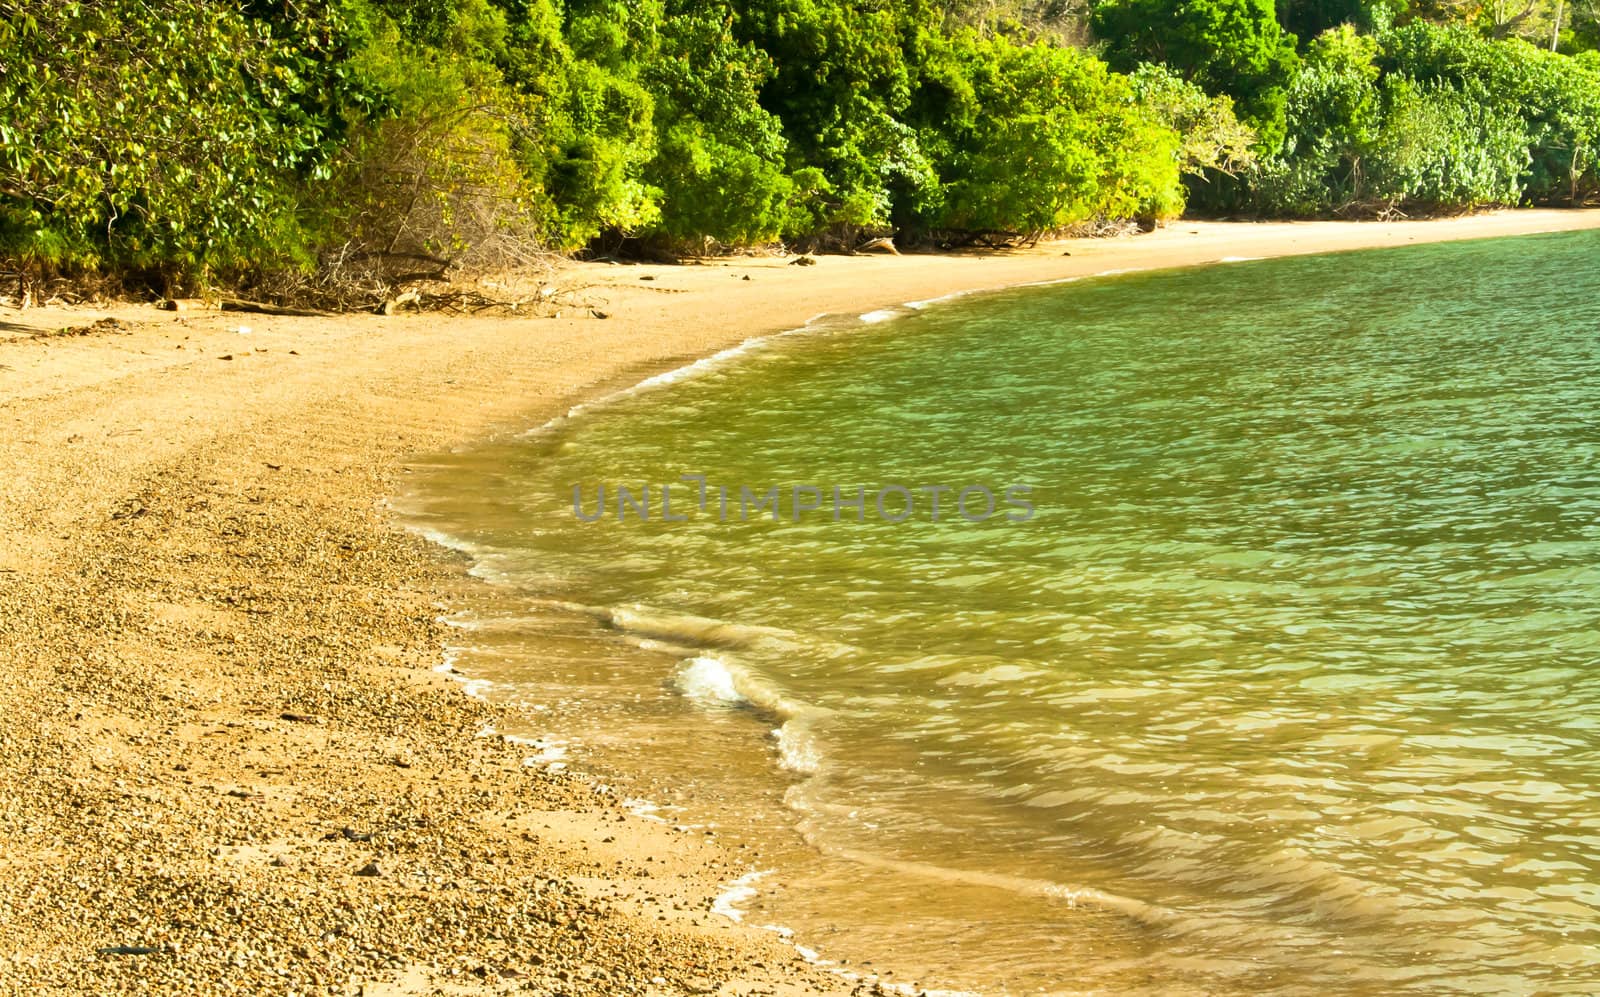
{"type": "Point", "coordinates": [1289, 679]}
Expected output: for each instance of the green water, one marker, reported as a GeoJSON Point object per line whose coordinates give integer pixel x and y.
{"type": "Point", "coordinates": [1289, 682]}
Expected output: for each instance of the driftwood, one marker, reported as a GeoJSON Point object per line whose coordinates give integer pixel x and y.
{"type": "Point", "coordinates": [885, 245]}
{"type": "Point", "coordinates": [399, 301]}
{"type": "Point", "coordinates": [261, 308]}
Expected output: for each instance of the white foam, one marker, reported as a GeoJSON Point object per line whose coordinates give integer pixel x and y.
{"type": "Point", "coordinates": [941, 299]}
{"type": "Point", "coordinates": [735, 893]}
{"type": "Point", "coordinates": [444, 540]}
{"type": "Point", "coordinates": [682, 629]}
{"type": "Point", "coordinates": [707, 679]}
{"type": "Point", "coordinates": [1240, 259]}
{"type": "Point", "coordinates": [476, 688]}
{"type": "Point", "coordinates": [673, 376]}
{"type": "Point", "coordinates": [718, 681]}
{"type": "Point", "coordinates": [797, 749]}
{"type": "Point", "coordinates": [881, 315]}
{"type": "Point", "coordinates": [549, 757]}
{"type": "Point", "coordinates": [647, 810]}
{"type": "Point", "coordinates": [1053, 281]}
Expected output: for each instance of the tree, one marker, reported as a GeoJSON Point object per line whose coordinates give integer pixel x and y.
{"type": "Point", "coordinates": [180, 162]}
{"type": "Point", "coordinates": [1234, 47]}
{"type": "Point", "coordinates": [845, 73]}
{"type": "Point", "coordinates": [1054, 139]}
{"type": "Point", "coordinates": [720, 159]}
{"type": "Point", "coordinates": [1212, 138]}
{"type": "Point", "coordinates": [1309, 18]}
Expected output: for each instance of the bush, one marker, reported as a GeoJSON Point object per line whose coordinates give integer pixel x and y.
{"type": "Point", "coordinates": [1059, 139]}
{"type": "Point", "coordinates": [1445, 148]}
{"type": "Point", "coordinates": [1234, 47]}
{"type": "Point", "coordinates": [436, 178]}
{"type": "Point", "coordinates": [720, 161]}
{"type": "Point", "coordinates": [1555, 97]}
{"type": "Point", "coordinates": [1430, 119]}
{"type": "Point", "coordinates": [179, 163]}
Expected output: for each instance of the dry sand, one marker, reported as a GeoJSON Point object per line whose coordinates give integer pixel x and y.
{"type": "Point", "coordinates": [218, 654]}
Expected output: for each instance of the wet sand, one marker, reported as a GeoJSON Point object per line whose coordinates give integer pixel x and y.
{"type": "Point", "coordinates": [229, 761]}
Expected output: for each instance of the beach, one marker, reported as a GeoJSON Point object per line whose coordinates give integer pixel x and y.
{"type": "Point", "coordinates": [234, 759]}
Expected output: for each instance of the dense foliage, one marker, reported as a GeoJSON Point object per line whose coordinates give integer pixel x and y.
{"type": "Point", "coordinates": [191, 140]}
{"type": "Point", "coordinates": [182, 156]}
{"type": "Point", "coordinates": [1225, 46]}
{"type": "Point", "coordinates": [1428, 117]}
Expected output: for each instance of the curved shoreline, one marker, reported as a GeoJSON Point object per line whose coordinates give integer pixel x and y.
{"type": "Point", "coordinates": [219, 658]}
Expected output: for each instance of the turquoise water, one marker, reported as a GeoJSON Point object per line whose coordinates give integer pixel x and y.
{"type": "Point", "coordinates": [1287, 682]}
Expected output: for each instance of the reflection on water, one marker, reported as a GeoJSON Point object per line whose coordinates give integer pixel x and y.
{"type": "Point", "coordinates": [1290, 680]}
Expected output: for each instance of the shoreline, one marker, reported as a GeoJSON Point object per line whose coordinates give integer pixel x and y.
{"type": "Point", "coordinates": [231, 758]}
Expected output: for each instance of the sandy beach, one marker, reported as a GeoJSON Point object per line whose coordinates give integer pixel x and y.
{"type": "Point", "coordinates": [230, 762]}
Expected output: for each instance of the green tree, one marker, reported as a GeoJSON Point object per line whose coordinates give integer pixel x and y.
{"type": "Point", "coordinates": [845, 72]}
{"type": "Point", "coordinates": [1212, 138]}
{"type": "Point", "coordinates": [180, 162]}
{"type": "Point", "coordinates": [1052, 138]}
{"type": "Point", "coordinates": [720, 161]}
{"type": "Point", "coordinates": [1234, 47]}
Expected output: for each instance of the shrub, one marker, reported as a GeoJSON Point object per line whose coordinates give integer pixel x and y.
{"type": "Point", "coordinates": [1060, 139]}
{"type": "Point", "coordinates": [1234, 47]}
{"type": "Point", "coordinates": [1555, 97]}
{"type": "Point", "coordinates": [180, 162]}
{"type": "Point", "coordinates": [720, 161]}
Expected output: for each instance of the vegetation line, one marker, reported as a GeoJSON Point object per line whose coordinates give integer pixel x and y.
{"type": "Point", "coordinates": [317, 151]}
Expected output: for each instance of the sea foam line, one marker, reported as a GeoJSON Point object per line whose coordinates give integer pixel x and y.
{"type": "Point", "coordinates": [692, 369]}
{"type": "Point", "coordinates": [812, 324]}
{"type": "Point", "coordinates": [743, 889]}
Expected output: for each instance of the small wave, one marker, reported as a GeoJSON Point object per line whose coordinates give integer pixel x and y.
{"type": "Point", "coordinates": [735, 893]}
{"type": "Point", "coordinates": [688, 634]}
{"type": "Point", "coordinates": [648, 809]}
{"type": "Point", "coordinates": [551, 755]}
{"type": "Point", "coordinates": [477, 688]}
{"type": "Point", "coordinates": [654, 381]}
{"type": "Point", "coordinates": [941, 299]}
{"type": "Point", "coordinates": [743, 889]}
{"type": "Point", "coordinates": [445, 540]}
{"type": "Point", "coordinates": [718, 682]}
{"type": "Point", "coordinates": [1240, 259]}
{"type": "Point", "coordinates": [798, 751]}
{"type": "Point", "coordinates": [708, 680]}
{"type": "Point", "coordinates": [677, 374]}
{"type": "Point", "coordinates": [692, 631]}
{"type": "Point", "coordinates": [1053, 281]}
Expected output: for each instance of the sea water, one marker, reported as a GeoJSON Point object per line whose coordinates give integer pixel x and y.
{"type": "Point", "coordinates": [1286, 679]}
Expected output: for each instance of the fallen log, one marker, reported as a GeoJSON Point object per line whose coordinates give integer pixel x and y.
{"type": "Point", "coordinates": [262, 308]}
